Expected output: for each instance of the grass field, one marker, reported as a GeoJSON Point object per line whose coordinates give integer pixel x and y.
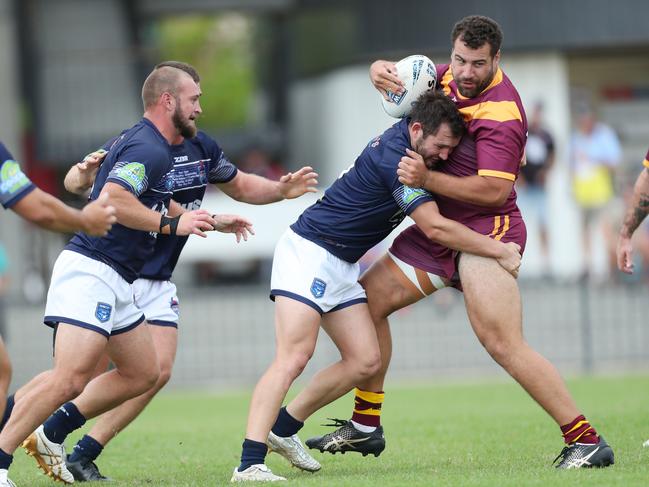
{"type": "Point", "coordinates": [486, 434]}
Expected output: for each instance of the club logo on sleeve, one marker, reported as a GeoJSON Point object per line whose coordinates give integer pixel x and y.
{"type": "Point", "coordinates": [318, 287]}
{"type": "Point", "coordinates": [12, 178]}
{"type": "Point", "coordinates": [103, 311]}
{"type": "Point", "coordinates": [411, 194]}
{"type": "Point", "coordinates": [132, 173]}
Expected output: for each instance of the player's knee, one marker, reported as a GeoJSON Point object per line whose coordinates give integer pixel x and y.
{"type": "Point", "coordinates": [500, 349]}
{"type": "Point", "coordinates": [164, 376]}
{"type": "Point", "coordinates": [294, 364]}
{"type": "Point", "coordinates": [368, 365]}
{"type": "Point", "coordinates": [70, 386]}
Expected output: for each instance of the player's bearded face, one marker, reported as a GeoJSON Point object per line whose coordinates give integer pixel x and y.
{"type": "Point", "coordinates": [184, 123]}
{"type": "Point", "coordinates": [473, 69]}
{"type": "Point", "coordinates": [435, 147]}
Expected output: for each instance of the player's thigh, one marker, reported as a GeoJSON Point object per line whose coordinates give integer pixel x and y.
{"type": "Point", "coordinates": [77, 350]}
{"type": "Point", "coordinates": [390, 288]}
{"type": "Point", "coordinates": [165, 342]}
{"type": "Point", "coordinates": [133, 352]}
{"type": "Point", "coordinates": [296, 327]}
{"type": "Point", "coordinates": [352, 330]}
{"type": "Point", "coordinates": [491, 296]}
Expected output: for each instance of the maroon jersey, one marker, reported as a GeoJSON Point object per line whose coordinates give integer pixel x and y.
{"type": "Point", "coordinates": [645, 163]}
{"type": "Point", "coordinates": [493, 145]}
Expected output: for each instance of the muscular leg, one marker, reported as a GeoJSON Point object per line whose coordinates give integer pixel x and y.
{"type": "Point", "coordinates": [352, 331]}
{"type": "Point", "coordinates": [388, 290]}
{"type": "Point", "coordinates": [77, 351]}
{"type": "Point", "coordinates": [296, 329]}
{"type": "Point", "coordinates": [165, 340]}
{"type": "Point", "coordinates": [136, 371]}
{"type": "Point", "coordinates": [494, 308]}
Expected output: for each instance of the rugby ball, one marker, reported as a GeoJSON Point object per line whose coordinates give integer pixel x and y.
{"type": "Point", "coordinates": [418, 75]}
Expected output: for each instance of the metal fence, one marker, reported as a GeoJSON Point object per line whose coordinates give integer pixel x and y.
{"type": "Point", "coordinates": [227, 335]}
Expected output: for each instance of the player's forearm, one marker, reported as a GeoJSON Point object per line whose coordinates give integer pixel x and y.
{"type": "Point", "coordinates": [638, 206]}
{"type": "Point", "coordinates": [253, 189]}
{"type": "Point", "coordinates": [456, 236]}
{"type": "Point", "coordinates": [48, 212]}
{"type": "Point", "coordinates": [130, 212]}
{"type": "Point", "coordinates": [478, 190]}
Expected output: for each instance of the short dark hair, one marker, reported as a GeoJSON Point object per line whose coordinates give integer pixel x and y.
{"type": "Point", "coordinates": [434, 108]}
{"type": "Point", "coordinates": [476, 30]}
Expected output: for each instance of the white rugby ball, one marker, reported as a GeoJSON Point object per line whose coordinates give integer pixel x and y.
{"type": "Point", "coordinates": [418, 75]}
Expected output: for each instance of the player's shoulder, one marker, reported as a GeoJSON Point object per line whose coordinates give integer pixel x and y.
{"type": "Point", "coordinates": [205, 141]}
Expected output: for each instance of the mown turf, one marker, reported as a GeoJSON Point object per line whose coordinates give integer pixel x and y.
{"type": "Point", "coordinates": [486, 434]}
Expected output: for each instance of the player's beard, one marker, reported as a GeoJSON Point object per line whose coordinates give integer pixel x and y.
{"type": "Point", "coordinates": [185, 128]}
{"type": "Point", "coordinates": [428, 161]}
{"type": "Point", "coordinates": [479, 87]}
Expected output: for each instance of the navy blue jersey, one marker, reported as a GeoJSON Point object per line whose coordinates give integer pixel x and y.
{"type": "Point", "coordinates": [139, 161]}
{"type": "Point", "coordinates": [197, 161]}
{"type": "Point", "coordinates": [14, 185]}
{"type": "Point", "coordinates": [366, 202]}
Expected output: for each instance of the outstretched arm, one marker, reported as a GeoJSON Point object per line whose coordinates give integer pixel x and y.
{"type": "Point", "coordinates": [257, 190]}
{"type": "Point", "coordinates": [635, 214]}
{"type": "Point", "coordinates": [133, 214]}
{"type": "Point", "coordinates": [46, 211]}
{"type": "Point", "coordinates": [456, 236]}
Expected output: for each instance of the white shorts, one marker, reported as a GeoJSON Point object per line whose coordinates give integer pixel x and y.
{"type": "Point", "coordinates": [158, 301]}
{"type": "Point", "coordinates": [87, 293]}
{"type": "Point", "coordinates": [310, 274]}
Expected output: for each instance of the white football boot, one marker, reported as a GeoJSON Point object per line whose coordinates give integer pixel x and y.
{"type": "Point", "coordinates": [255, 473]}
{"type": "Point", "coordinates": [50, 456]}
{"type": "Point", "coordinates": [4, 480]}
{"type": "Point", "coordinates": [292, 449]}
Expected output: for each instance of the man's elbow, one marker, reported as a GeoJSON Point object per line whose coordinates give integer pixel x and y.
{"type": "Point", "coordinates": [435, 229]}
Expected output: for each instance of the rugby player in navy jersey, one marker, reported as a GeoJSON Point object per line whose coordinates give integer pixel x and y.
{"type": "Point", "coordinates": [91, 299]}
{"type": "Point", "coordinates": [315, 278]}
{"type": "Point", "coordinates": [198, 161]}
{"type": "Point", "coordinates": [20, 195]}
{"type": "Point", "coordinates": [475, 187]}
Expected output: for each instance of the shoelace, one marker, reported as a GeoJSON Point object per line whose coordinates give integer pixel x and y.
{"type": "Point", "coordinates": [561, 455]}
{"type": "Point", "coordinates": [336, 423]}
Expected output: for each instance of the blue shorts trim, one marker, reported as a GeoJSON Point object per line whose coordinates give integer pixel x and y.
{"type": "Point", "coordinates": [297, 297]}
{"type": "Point", "coordinates": [170, 324]}
{"type": "Point", "coordinates": [347, 304]}
{"type": "Point", "coordinates": [128, 328]}
{"type": "Point", "coordinates": [52, 321]}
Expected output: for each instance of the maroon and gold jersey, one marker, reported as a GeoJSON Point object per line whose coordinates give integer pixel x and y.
{"type": "Point", "coordinates": [645, 163]}
{"type": "Point", "coordinates": [493, 145]}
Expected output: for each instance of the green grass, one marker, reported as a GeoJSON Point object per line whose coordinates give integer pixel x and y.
{"type": "Point", "coordinates": [486, 434]}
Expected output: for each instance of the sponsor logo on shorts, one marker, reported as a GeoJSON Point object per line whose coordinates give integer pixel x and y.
{"type": "Point", "coordinates": [318, 287]}
{"type": "Point", "coordinates": [411, 194]}
{"type": "Point", "coordinates": [103, 311]}
{"type": "Point", "coordinates": [12, 178]}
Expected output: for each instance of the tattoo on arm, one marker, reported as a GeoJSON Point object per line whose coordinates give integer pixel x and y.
{"type": "Point", "coordinates": [635, 217]}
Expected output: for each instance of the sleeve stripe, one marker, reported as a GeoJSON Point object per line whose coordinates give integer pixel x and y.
{"type": "Point", "coordinates": [499, 111]}
{"type": "Point", "coordinates": [645, 163]}
{"type": "Point", "coordinates": [497, 174]}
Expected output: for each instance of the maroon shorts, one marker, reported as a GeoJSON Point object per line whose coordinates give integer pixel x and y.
{"type": "Point", "coordinates": [414, 248]}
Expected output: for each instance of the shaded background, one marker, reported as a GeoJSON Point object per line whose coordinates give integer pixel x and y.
{"type": "Point", "coordinates": [285, 84]}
